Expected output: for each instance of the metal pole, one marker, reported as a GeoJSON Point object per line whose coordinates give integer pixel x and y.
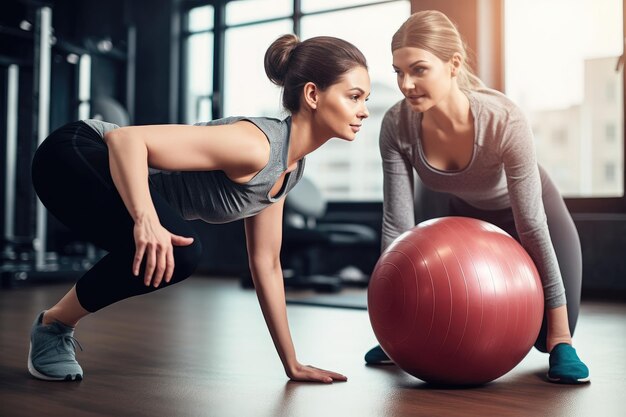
{"type": "Point", "coordinates": [297, 17]}
{"type": "Point", "coordinates": [84, 112]}
{"type": "Point", "coordinates": [84, 87]}
{"type": "Point", "coordinates": [44, 15]}
{"type": "Point", "coordinates": [11, 156]}
{"type": "Point", "coordinates": [131, 64]}
{"type": "Point", "coordinates": [219, 44]}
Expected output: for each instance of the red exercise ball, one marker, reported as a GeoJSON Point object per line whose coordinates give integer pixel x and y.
{"type": "Point", "coordinates": [455, 301]}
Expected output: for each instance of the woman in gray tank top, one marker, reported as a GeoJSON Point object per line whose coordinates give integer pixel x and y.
{"type": "Point", "coordinates": [130, 190]}
{"type": "Point", "coordinates": [476, 145]}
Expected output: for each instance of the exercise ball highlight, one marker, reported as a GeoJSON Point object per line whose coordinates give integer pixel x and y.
{"type": "Point", "coordinates": [455, 300]}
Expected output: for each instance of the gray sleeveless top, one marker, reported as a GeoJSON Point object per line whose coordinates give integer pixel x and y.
{"type": "Point", "coordinates": [211, 195]}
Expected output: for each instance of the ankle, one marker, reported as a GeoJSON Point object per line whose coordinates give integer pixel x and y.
{"type": "Point", "coordinates": [552, 342]}
{"type": "Point", "coordinates": [52, 316]}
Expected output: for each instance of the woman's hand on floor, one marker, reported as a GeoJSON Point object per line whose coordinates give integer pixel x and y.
{"type": "Point", "coordinates": [307, 373]}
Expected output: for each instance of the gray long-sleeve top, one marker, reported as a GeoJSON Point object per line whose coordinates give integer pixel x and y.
{"type": "Point", "coordinates": [503, 172]}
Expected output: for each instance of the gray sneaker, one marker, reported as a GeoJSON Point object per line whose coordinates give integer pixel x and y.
{"type": "Point", "coordinates": [52, 354]}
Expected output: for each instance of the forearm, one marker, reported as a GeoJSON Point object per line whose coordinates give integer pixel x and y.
{"type": "Point", "coordinates": [128, 161]}
{"type": "Point", "coordinates": [398, 205]}
{"type": "Point", "coordinates": [268, 281]}
{"type": "Point", "coordinates": [398, 184]}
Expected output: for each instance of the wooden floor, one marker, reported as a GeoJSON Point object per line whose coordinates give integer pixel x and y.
{"type": "Point", "coordinates": [201, 349]}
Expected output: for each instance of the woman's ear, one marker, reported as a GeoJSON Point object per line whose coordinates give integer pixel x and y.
{"type": "Point", "coordinates": [456, 62]}
{"type": "Point", "coordinates": [310, 94]}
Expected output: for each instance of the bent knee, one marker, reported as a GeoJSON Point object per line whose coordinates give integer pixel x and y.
{"type": "Point", "coordinates": [186, 259]}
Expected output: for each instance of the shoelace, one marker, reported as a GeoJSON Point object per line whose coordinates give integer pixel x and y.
{"type": "Point", "coordinates": [69, 340]}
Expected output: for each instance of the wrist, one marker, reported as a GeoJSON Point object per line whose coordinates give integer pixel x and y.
{"type": "Point", "coordinates": [143, 216]}
{"type": "Point", "coordinates": [292, 367]}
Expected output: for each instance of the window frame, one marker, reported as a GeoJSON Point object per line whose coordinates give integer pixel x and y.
{"type": "Point", "coordinates": [219, 34]}
{"type": "Point", "coordinates": [185, 34]}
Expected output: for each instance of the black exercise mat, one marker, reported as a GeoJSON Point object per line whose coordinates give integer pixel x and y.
{"type": "Point", "coordinates": [355, 301]}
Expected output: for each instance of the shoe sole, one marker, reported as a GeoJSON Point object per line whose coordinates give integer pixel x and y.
{"type": "Point", "coordinates": [389, 362]}
{"type": "Point", "coordinates": [34, 372]}
{"type": "Point", "coordinates": [568, 381]}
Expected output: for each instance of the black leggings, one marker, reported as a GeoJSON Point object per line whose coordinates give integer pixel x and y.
{"type": "Point", "coordinates": [72, 178]}
{"type": "Point", "coordinates": [564, 239]}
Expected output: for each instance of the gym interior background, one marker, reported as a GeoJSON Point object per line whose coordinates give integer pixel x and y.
{"type": "Point", "coordinates": [183, 61]}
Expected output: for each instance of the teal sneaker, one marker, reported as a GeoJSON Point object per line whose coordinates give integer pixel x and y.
{"type": "Point", "coordinates": [52, 353]}
{"type": "Point", "coordinates": [376, 356]}
{"type": "Point", "coordinates": [566, 367]}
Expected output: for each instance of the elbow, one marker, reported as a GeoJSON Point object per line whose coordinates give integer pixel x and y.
{"type": "Point", "coordinates": [114, 137]}
{"type": "Point", "coordinates": [109, 136]}
{"type": "Point", "coordinates": [264, 266]}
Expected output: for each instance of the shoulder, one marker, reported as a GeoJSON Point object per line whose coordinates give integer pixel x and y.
{"type": "Point", "coordinates": [267, 125]}
{"type": "Point", "coordinates": [275, 130]}
{"type": "Point", "coordinates": [254, 137]}
{"type": "Point", "coordinates": [100, 126]}
{"type": "Point", "coordinates": [244, 133]}
{"type": "Point", "coordinates": [271, 122]}
{"type": "Point", "coordinates": [496, 106]}
{"type": "Point", "coordinates": [504, 123]}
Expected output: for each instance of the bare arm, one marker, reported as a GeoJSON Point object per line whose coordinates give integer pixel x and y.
{"type": "Point", "coordinates": [263, 237]}
{"type": "Point", "coordinates": [238, 149]}
{"type": "Point", "coordinates": [129, 169]}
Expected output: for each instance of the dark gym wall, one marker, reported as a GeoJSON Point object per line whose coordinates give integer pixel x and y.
{"type": "Point", "coordinates": [18, 49]}
{"type": "Point", "coordinates": [156, 73]}
{"type": "Point", "coordinates": [158, 34]}
{"type": "Point", "coordinates": [156, 95]}
{"type": "Point", "coordinates": [76, 24]}
{"type": "Point", "coordinates": [157, 50]}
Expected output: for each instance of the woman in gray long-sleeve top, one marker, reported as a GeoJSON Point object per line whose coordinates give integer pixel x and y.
{"type": "Point", "coordinates": [474, 143]}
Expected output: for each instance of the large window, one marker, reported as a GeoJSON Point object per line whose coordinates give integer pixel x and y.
{"type": "Point", "coordinates": [353, 170]}
{"type": "Point", "coordinates": [247, 90]}
{"type": "Point", "coordinates": [562, 69]}
{"type": "Point", "coordinates": [343, 171]}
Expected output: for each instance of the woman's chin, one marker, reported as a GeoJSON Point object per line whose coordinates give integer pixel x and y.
{"type": "Point", "coordinates": [419, 106]}
{"type": "Point", "coordinates": [346, 136]}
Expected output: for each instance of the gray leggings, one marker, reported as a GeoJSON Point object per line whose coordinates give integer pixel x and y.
{"type": "Point", "coordinates": [564, 239]}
